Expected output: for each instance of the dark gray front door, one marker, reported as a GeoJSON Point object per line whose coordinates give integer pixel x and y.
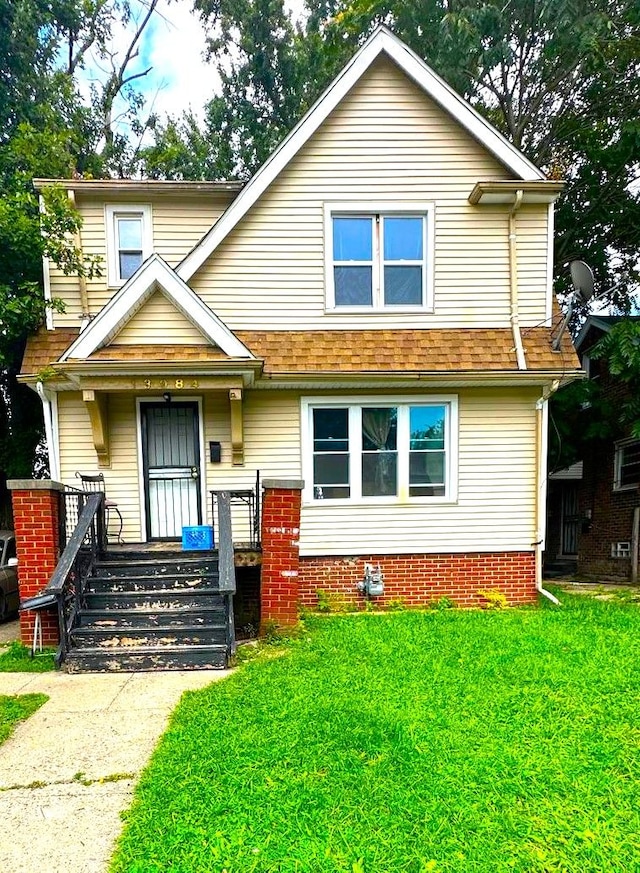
{"type": "Point", "coordinates": [171, 459]}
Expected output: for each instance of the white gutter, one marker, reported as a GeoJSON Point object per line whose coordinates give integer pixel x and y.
{"type": "Point", "coordinates": [49, 429]}
{"type": "Point", "coordinates": [513, 280]}
{"type": "Point", "coordinates": [542, 420]}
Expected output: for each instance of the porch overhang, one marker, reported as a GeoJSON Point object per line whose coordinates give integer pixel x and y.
{"type": "Point", "coordinates": [143, 376]}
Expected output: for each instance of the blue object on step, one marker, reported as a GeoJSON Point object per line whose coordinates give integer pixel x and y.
{"type": "Point", "coordinates": [197, 537]}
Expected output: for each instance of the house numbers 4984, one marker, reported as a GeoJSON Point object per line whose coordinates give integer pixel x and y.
{"type": "Point", "coordinates": [177, 384]}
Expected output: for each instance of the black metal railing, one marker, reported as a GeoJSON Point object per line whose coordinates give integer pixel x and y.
{"type": "Point", "coordinates": [244, 506]}
{"type": "Point", "coordinates": [80, 550]}
{"type": "Point", "coordinates": [226, 561]}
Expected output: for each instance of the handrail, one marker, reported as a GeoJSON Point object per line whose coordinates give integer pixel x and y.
{"type": "Point", "coordinates": [77, 538]}
{"type": "Point", "coordinates": [66, 583]}
{"type": "Point", "coordinates": [226, 562]}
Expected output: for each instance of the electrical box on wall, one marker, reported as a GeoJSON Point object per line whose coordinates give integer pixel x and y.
{"type": "Point", "coordinates": [215, 452]}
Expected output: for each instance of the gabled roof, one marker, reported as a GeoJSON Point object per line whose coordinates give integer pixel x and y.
{"type": "Point", "coordinates": [381, 42]}
{"type": "Point", "coordinates": [598, 324]}
{"type": "Point", "coordinates": [153, 274]}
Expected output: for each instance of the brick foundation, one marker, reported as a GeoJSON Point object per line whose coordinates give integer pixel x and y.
{"type": "Point", "coordinates": [280, 530]}
{"type": "Point", "coordinates": [418, 580]}
{"type": "Point", "coordinates": [35, 519]}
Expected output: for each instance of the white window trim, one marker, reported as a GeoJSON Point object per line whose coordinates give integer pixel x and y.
{"type": "Point", "coordinates": [364, 209]}
{"type": "Point", "coordinates": [621, 445]}
{"type": "Point", "coordinates": [350, 402]}
{"type": "Point", "coordinates": [113, 212]}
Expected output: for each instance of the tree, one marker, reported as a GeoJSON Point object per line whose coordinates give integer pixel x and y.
{"type": "Point", "coordinates": [46, 130]}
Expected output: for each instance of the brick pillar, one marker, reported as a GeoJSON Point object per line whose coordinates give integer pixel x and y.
{"type": "Point", "coordinates": [280, 530]}
{"type": "Point", "coordinates": [35, 521]}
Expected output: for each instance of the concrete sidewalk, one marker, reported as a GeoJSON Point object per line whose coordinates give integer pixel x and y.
{"type": "Point", "coordinates": [102, 726]}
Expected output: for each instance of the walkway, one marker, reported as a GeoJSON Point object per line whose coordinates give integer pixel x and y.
{"type": "Point", "coordinates": [68, 772]}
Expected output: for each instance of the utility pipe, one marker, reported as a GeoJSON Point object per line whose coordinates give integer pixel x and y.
{"type": "Point", "coordinates": [513, 280]}
{"type": "Point", "coordinates": [47, 409]}
{"type": "Point", "coordinates": [541, 485]}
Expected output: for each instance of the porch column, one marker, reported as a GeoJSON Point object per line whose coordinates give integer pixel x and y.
{"type": "Point", "coordinates": [36, 526]}
{"type": "Point", "coordinates": [280, 531]}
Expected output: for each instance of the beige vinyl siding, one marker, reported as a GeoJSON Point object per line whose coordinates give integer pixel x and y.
{"type": "Point", "coordinates": [496, 482]}
{"type": "Point", "coordinates": [77, 453]}
{"type": "Point", "coordinates": [495, 510]}
{"type": "Point", "coordinates": [158, 321]}
{"type": "Point", "coordinates": [178, 224]}
{"type": "Point", "coordinates": [386, 143]}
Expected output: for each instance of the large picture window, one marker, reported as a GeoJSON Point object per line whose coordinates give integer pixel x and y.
{"type": "Point", "coordinates": [380, 449]}
{"type": "Point", "coordinates": [379, 260]}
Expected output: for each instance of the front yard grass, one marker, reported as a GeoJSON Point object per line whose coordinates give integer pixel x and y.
{"type": "Point", "coordinates": [17, 708]}
{"type": "Point", "coordinates": [474, 742]}
{"type": "Point", "coordinates": [17, 659]}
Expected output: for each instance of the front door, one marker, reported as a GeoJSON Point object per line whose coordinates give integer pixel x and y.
{"type": "Point", "coordinates": [571, 519]}
{"type": "Point", "coordinates": [171, 462]}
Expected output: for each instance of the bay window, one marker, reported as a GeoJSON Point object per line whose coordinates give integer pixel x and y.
{"type": "Point", "coordinates": [380, 449]}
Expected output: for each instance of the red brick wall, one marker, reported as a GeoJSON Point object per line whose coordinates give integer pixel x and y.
{"type": "Point", "coordinates": [418, 580]}
{"type": "Point", "coordinates": [35, 519]}
{"type": "Point", "coordinates": [611, 517]}
{"type": "Point", "coordinates": [280, 530]}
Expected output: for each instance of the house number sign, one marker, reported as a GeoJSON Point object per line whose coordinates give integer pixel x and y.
{"type": "Point", "coordinates": [170, 383]}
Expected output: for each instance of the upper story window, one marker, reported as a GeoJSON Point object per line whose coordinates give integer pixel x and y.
{"type": "Point", "coordinates": [380, 448]}
{"type": "Point", "coordinates": [627, 465]}
{"type": "Point", "coordinates": [379, 259]}
{"type": "Point", "coordinates": [129, 240]}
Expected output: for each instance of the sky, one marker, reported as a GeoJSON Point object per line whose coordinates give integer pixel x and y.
{"type": "Point", "coordinates": [173, 45]}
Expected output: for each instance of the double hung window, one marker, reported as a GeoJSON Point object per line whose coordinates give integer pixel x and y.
{"type": "Point", "coordinates": [379, 260]}
{"type": "Point", "coordinates": [128, 240]}
{"type": "Point", "coordinates": [380, 449]}
{"type": "Point", "coordinates": [627, 465]}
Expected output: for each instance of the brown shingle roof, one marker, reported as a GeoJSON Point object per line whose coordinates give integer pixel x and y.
{"type": "Point", "coordinates": [341, 351]}
{"type": "Point", "coordinates": [378, 351]}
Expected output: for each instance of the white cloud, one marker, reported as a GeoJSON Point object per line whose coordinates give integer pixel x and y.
{"type": "Point", "coordinates": [174, 47]}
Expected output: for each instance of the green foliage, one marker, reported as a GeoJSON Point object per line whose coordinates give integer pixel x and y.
{"type": "Point", "coordinates": [453, 741]}
{"type": "Point", "coordinates": [493, 598]}
{"type": "Point", "coordinates": [620, 349]}
{"type": "Point", "coordinates": [16, 709]}
{"type": "Point", "coordinates": [331, 601]}
{"type": "Point", "coordinates": [442, 603]}
{"type": "Point", "coordinates": [17, 659]}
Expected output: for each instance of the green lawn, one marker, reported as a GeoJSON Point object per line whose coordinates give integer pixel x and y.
{"type": "Point", "coordinates": [15, 709]}
{"type": "Point", "coordinates": [17, 659]}
{"type": "Point", "coordinates": [410, 742]}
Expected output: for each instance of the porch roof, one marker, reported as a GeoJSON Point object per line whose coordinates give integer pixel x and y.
{"type": "Point", "coordinates": [431, 350]}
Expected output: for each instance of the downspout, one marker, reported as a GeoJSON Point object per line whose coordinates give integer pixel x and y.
{"type": "Point", "coordinates": [541, 485]}
{"type": "Point", "coordinates": [513, 281]}
{"type": "Point", "coordinates": [47, 409]}
{"type": "Point", "coordinates": [82, 280]}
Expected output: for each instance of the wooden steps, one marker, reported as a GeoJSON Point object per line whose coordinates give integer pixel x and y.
{"type": "Point", "coordinates": [152, 611]}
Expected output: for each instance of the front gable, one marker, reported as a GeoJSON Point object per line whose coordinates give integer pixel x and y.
{"type": "Point", "coordinates": [154, 276]}
{"type": "Point", "coordinates": [386, 144]}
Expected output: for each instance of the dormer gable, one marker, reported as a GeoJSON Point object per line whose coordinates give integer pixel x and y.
{"type": "Point", "coordinates": [154, 275]}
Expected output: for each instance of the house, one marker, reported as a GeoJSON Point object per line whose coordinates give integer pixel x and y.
{"type": "Point", "coordinates": [609, 493]}
{"type": "Point", "coordinates": [367, 323]}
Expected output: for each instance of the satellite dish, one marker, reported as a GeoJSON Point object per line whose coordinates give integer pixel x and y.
{"type": "Point", "coordinates": [582, 278]}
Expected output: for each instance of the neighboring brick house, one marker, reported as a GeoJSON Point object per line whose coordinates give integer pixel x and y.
{"type": "Point", "coordinates": [367, 322]}
{"type": "Point", "coordinates": [609, 496]}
